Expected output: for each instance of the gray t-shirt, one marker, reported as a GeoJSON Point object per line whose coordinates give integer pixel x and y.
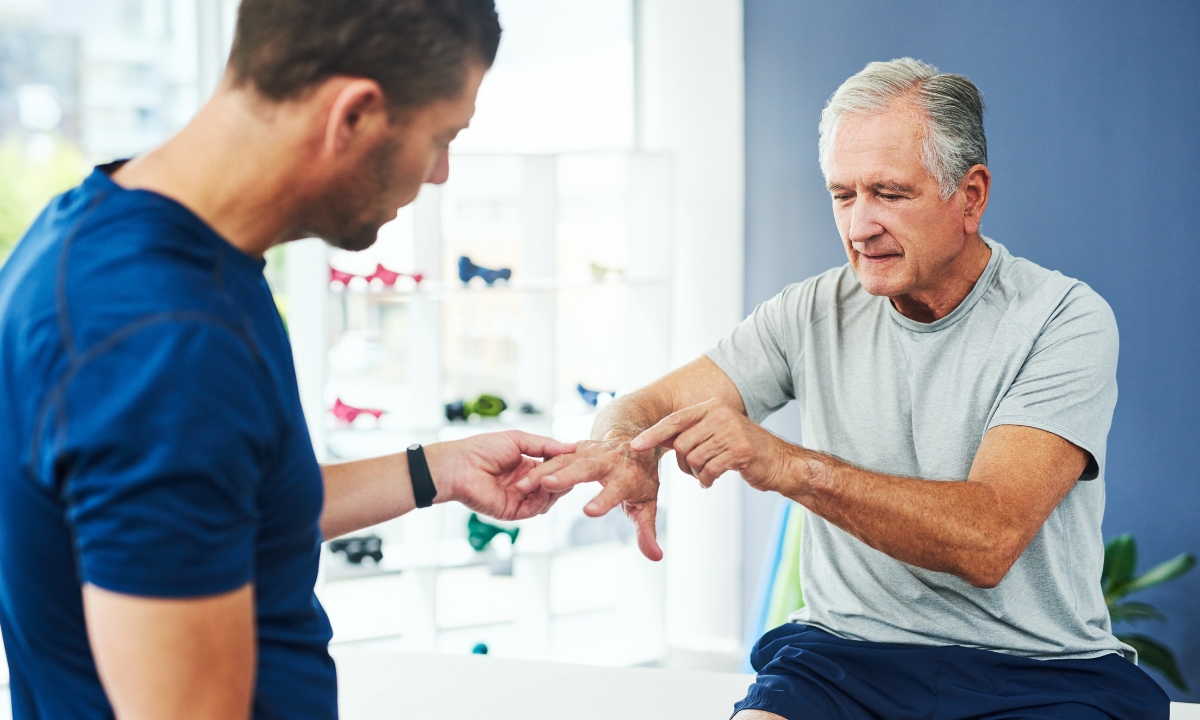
{"type": "Point", "coordinates": [1027, 347]}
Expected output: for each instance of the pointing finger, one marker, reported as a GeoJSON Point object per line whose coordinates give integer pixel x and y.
{"type": "Point", "coordinates": [669, 427]}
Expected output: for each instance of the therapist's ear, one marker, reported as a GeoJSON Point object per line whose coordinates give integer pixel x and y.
{"type": "Point", "coordinates": [359, 114]}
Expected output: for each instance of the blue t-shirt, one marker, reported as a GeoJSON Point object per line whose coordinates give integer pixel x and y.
{"type": "Point", "coordinates": [152, 444]}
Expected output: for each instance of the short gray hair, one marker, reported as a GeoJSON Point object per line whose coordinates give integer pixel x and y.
{"type": "Point", "coordinates": [951, 104]}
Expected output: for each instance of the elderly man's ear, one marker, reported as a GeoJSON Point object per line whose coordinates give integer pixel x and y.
{"type": "Point", "coordinates": [975, 188]}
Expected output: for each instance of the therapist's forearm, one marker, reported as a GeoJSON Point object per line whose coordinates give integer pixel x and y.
{"type": "Point", "coordinates": [363, 493]}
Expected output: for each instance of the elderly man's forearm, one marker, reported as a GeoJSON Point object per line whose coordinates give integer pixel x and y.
{"type": "Point", "coordinates": [957, 527]}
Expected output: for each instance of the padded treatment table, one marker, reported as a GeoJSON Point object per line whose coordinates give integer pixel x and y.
{"type": "Point", "coordinates": [386, 685]}
{"type": "Point", "coordinates": [381, 685]}
{"type": "Point", "coordinates": [377, 685]}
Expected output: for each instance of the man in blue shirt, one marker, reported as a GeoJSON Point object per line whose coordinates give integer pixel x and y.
{"type": "Point", "coordinates": [161, 508]}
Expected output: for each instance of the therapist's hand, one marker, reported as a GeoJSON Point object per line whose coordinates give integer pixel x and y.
{"type": "Point", "coordinates": [483, 472]}
{"type": "Point", "coordinates": [630, 479]}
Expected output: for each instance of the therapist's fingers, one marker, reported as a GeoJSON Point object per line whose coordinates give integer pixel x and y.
{"type": "Point", "coordinates": [538, 446]}
{"type": "Point", "coordinates": [671, 425]}
{"type": "Point", "coordinates": [534, 478]}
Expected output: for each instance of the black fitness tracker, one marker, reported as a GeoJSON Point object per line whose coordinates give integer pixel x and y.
{"type": "Point", "coordinates": [422, 482]}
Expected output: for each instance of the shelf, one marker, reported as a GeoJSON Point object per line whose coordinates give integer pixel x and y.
{"type": "Point", "coordinates": [437, 290]}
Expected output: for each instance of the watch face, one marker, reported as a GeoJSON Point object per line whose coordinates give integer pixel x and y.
{"type": "Point", "coordinates": [414, 447]}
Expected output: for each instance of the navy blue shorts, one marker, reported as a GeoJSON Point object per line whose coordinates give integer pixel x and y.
{"type": "Point", "coordinates": [804, 673]}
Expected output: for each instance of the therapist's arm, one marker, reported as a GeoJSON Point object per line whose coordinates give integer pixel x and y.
{"type": "Point", "coordinates": [481, 472]}
{"type": "Point", "coordinates": [164, 659]}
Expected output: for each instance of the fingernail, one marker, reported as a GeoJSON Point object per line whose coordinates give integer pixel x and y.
{"type": "Point", "coordinates": [550, 478]}
{"type": "Point", "coordinates": [592, 507]}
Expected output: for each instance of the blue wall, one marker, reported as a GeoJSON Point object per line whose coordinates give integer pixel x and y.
{"type": "Point", "coordinates": [1093, 121]}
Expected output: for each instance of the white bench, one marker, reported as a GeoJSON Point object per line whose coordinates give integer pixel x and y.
{"type": "Point", "coordinates": [388, 685]}
{"type": "Point", "coordinates": [384, 685]}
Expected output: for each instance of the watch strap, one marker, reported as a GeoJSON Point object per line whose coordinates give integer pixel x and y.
{"type": "Point", "coordinates": [424, 490]}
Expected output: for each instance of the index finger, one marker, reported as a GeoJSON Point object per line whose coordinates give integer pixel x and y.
{"type": "Point", "coordinates": [541, 447]}
{"type": "Point", "coordinates": [669, 427]}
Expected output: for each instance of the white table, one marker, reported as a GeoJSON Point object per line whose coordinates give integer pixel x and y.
{"type": "Point", "coordinates": [393, 686]}
{"type": "Point", "coordinates": [379, 685]}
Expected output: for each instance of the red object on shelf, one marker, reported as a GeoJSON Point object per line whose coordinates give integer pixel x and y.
{"type": "Point", "coordinates": [341, 276]}
{"type": "Point", "coordinates": [389, 277]}
{"type": "Point", "coordinates": [349, 413]}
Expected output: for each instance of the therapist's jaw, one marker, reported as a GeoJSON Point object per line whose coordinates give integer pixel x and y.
{"type": "Point", "coordinates": [373, 158]}
{"type": "Point", "coordinates": [903, 240]}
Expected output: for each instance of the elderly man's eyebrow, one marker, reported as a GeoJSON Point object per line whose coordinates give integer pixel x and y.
{"type": "Point", "coordinates": [834, 187]}
{"type": "Point", "coordinates": [891, 187]}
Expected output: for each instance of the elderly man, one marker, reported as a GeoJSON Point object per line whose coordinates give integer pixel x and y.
{"type": "Point", "coordinates": [955, 402]}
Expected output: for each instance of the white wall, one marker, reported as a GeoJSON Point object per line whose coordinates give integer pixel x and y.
{"type": "Point", "coordinates": [691, 103]}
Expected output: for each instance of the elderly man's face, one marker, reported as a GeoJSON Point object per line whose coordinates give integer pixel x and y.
{"type": "Point", "coordinates": [900, 236]}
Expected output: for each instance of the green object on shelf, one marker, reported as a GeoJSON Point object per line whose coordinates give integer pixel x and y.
{"type": "Point", "coordinates": [786, 595]}
{"type": "Point", "coordinates": [1118, 580]}
{"type": "Point", "coordinates": [485, 406]}
{"type": "Point", "coordinates": [480, 533]}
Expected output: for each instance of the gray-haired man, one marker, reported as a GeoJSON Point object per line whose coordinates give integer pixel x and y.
{"type": "Point", "coordinates": [956, 402]}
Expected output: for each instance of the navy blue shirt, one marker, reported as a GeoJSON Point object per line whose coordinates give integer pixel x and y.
{"type": "Point", "coordinates": [152, 444]}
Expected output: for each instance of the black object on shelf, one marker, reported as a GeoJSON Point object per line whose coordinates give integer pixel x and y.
{"type": "Point", "coordinates": [468, 270]}
{"type": "Point", "coordinates": [357, 548]}
{"type": "Point", "coordinates": [529, 409]}
{"type": "Point", "coordinates": [592, 397]}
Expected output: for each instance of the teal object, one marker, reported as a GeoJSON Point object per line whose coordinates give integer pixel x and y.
{"type": "Point", "coordinates": [479, 649]}
{"type": "Point", "coordinates": [480, 533]}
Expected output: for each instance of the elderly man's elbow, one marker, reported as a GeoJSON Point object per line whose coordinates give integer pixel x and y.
{"type": "Point", "coordinates": [988, 569]}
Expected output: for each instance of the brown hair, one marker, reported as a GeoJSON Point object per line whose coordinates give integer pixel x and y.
{"type": "Point", "coordinates": [417, 50]}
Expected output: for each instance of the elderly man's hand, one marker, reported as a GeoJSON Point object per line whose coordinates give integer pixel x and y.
{"type": "Point", "coordinates": [710, 439]}
{"type": "Point", "coordinates": [630, 479]}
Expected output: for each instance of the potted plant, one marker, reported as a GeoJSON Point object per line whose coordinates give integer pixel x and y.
{"type": "Point", "coordinates": [1118, 581]}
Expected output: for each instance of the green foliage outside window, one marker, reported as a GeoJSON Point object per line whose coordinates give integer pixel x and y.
{"type": "Point", "coordinates": [29, 179]}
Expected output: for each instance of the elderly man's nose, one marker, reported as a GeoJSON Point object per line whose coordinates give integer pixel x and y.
{"type": "Point", "coordinates": [863, 224]}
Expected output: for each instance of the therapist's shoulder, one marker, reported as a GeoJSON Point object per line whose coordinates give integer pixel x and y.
{"type": "Point", "coordinates": [141, 260]}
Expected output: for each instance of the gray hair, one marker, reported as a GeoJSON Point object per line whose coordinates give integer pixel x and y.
{"type": "Point", "coordinates": [951, 104]}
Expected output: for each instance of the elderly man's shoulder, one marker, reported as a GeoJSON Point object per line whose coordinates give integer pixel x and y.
{"type": "Point", "coordinates": [1040, 299]}
{"type": "Point", "coordinates": [836, 287]}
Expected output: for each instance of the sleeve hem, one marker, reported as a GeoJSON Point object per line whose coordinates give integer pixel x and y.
{"type": "Point", "coordinates": [755, 413]}
{"type": "Point", "coordinates": [1090, 472]}
{"type": "Point", "coordinates": [169, 585]}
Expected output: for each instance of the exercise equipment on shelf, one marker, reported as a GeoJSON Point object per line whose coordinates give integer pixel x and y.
{"type": "Point", "coordinates": [385, 276]}
{"type": "Point", "coordinates": [483, 406]}
{"type": "Point", "coordinates": [468, 270]}
{"type": "Point", "coordinates": [349, 413]}
{"type": "Point", "coordinates": [357, 549]}
{"type": "Point", "coordinates": [480, 533]}
{"type": "Point", "coordinates": [600, 272]}
{"type": "Point", "coordinates": [594, 397]}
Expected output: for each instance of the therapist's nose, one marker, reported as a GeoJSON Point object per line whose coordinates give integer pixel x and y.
{"type": "Point", "coordinates": [441, 169]}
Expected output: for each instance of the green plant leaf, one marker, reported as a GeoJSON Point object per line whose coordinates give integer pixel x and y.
{"type": "Point", "coordinates": [1154, 654]}
{"type": "Point", "coordinates": [1120, 558]}
{"type": "Point", "coordinates": [1169, 570]}
{"type": "Point", "coordinates": [1133, 611]}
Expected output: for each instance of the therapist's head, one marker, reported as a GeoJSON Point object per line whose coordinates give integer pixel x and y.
{"type": "Point", "coordinates": [381, 87]}
{"type": "Point", "coordinates": [904, 155]}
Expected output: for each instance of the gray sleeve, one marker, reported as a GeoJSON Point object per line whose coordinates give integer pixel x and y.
{"type": "Point", "coordinates": [1068, 384]}
{"type": "Point", "coordinates": [760, 353]}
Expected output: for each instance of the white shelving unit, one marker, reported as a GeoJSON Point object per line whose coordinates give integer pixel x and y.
{"type": "Point", "coordinates": [570, 588]}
